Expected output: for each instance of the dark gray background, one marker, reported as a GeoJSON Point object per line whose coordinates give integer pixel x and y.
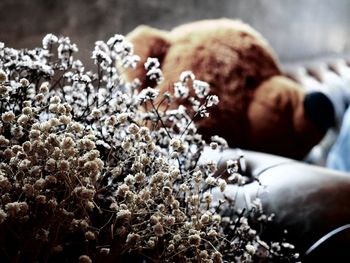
{"type": "Point", "coordinates": [297, 29]}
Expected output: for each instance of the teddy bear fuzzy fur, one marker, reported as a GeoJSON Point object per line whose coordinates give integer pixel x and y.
{"type": "Point", "coordinates": [259, 108]}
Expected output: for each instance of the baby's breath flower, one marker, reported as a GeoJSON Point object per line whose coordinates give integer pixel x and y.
{"type": "Point", "coordinates": [122, 117]}
{"type": "Point", "coordinates": [132, 238]}
{"type": "Point", "coordinates": [133, 128]}
{"type": "Point", "coordinates": [48, 40]}
{"type": "Point", "coordinates": [3, 141]}
{"type": "Point", "coordinates": [212, 100]}
{"type": "Point", "coordinates": [16, 208]}
{"type": "Point", "coordinates": [205, 218]}
{"type": "Point", "coordinates": [151, 63]}
{"type": "Point", "coordinates": [96, 113]}
{"type": "Point", "coordinates": [89, 235]}
{"type": "Point", "coordinates": [216, 257]}
{"type": "Point", "coordinates": [214, 145]}
{"type": "Point", "coordinates": [67, 143]}
{"type": "Point", "coordinates": [85, 259]}
{"type": "Point", "coordinates": [24, 82]}
{"type": "Point", "coordinates": [222, 184]}
{"type": "Point", "coordinates": [194, 240]}
{"type": "Point", "coordinates": [3, 76]}
{"type": "Point", "coordinates": [23, 119]}
{"type": "Point", "coordinates": [210, 180]}
{"type": "Point", "coordinates": [186, 75]}
{"type": "Point", "coordinates": [124, 214]}
{"type": "Point", "coordinates": [180, 90]}
{"type": "Point", "coordinates": [201, 88]}
{"type": "Point", "coordinates": [84, 193]}
{"type": "Point", "coordinates": [250, 249]}
{"type": "Point", "coordinates": [44, 88]}
{"type": "Point", "coordinates": [3, 216]}
{"type": "Point", "coordinates": [158, 229]}
{"type": "Point", "coordinates": [55, 100]}
{"type": "Point", "coordinates": [148, 94]}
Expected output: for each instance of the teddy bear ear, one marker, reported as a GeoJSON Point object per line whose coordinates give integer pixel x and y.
{"type": "Point", "coordinates": [147, 42]}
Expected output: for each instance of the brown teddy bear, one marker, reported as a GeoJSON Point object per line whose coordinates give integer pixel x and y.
{"type": "Point", "coordinates": [259, 108]}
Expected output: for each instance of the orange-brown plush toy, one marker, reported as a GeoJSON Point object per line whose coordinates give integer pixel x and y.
{"type": "Point", "coordinates": [259, 108]}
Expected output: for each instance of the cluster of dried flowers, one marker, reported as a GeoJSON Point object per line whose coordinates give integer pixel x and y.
{"type": "Point", "coordinates": [94, 170]}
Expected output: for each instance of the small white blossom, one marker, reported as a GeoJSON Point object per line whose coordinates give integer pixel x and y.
{"type": "Point", "coordinates": [201, 88]}
{"type": "Point", "coordinates": [48, 40]}
{"type": "Point", "coordinates": [148, 94]}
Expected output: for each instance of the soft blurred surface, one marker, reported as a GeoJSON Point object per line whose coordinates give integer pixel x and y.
{"type": "Point", "coordinates": [296, 29]}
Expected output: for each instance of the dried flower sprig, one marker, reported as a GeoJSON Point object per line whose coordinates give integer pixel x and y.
{"type": "Point", "coordinates": [90, 173]}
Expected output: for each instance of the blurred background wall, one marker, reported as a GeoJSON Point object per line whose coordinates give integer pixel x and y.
{"type": "Point", "coordinates": [296, 29]}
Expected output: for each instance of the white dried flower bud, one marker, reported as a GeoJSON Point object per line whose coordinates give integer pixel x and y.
{"type": "Point", "coordinates": [203, 254]}
{"type": "Point", "coordinates": [4, 90]}
{"type": "Point", "coordinates": [186, 75]}
{"type": "Point", "coordinates": [3, 216]}
{"type": "Point", "coordinates": [96, 113]}
{"type": "Point", "coordinates": [158, 229]}
{"type": "Point", "coordinates": [8, 116]}
{"type": "Point", "coordinates": [212, 233]}
{"type": "Point", "coordinates": [201, 88]}
{"type": "Point", "coordinates": [195, 240]}
{"type": "Point", "coordinates": [40, 199]}
{"type": "Point", "coordinates": [111, 121]}
{"type": "Point", "coordinates": [63, 165]}
{"type": "Point", "coordinates": [167, 191]}
{"type": "Point", "coordinates": [3, 141]}
{"type": "Point", "coordinates": [216, 257]}
{"type": "Point", "coordinates": [174, 155]}
{"type": "Point", "coordinates": [126, 145]}
{"type": "Point", "coordinates": [34, 134]}
{"type": "Point", "coordinates": [53, 107]}
{"type": "Point", "coordinates": [222, 184]}
{"type": "Point", "coordinates": [55, 100]}
{"type": "Point", "coordinates": [132, 239]}
{"type": "Point", "coordinates": [85, 259]}
{"type": "Point", "coordinates": [15, 208]}
{"type": "Point", "coordinates": [23, 119]}
{"type": "Point", "coordinates": [84, 193]}
{"type": "Point", "coordinates": [89, 235]}
{"type": "Point", "coordinates": [122, 117]}
{"type": "Point", "coordinates": [50, 165]}
{"type": "Point", "coordinates": [67, 143]}
{"type": "Point", "coordinates": [104, 251]}
{"type": "Point", "coordinates": [176, 143]}
{"type": "Point", "coordinates": [250, 249]}
{"type": "Point", "coordinates": [65, 119]}
{"type": "Point", "coordinates": [61, 109]}
{"type": "Point", "coordinates": [122, 189]}
{"type": "Point", "coordinates": [27, 146]}
{"type": "Point", "coordinates": [53, 122]}
{"type": "Point", "coordinates": [214, 145]}
{"type": "Point", "coordinates": [184, 187]}
{"type": "Point", "coordinates": [27, 110]}
{"type": "Point", "coordinates": [116, 171]}
{"type": "Point", "coordinates": [129, 179]}
{"type": "Point", "coordinates": [39, 97]}
{"type": "Point", "coordinates": [133, 128]}
{"type": "Point", "coordinates": [124, 214]}
{"type": "Point", "coordinates": [39, 184]}
{"type": "Point", "coordinates": [208, 197]}
{"type": "Point", "coordinates": [205, 219]}
{"type": "Point", "coordinates": [48, 40]}
{"type": "Point", "coordinates": [198, 176]}
{"type": "Point", "coordinates": [3, 76]}
{"type": "Point", "coordinates": [44, 87]}
{"type": "Point", "coordinates": [210, 180]}
{"type": "Point", "coordinates": [24, 82]}
{"type": "Point", "coordinates": [140, 177]}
